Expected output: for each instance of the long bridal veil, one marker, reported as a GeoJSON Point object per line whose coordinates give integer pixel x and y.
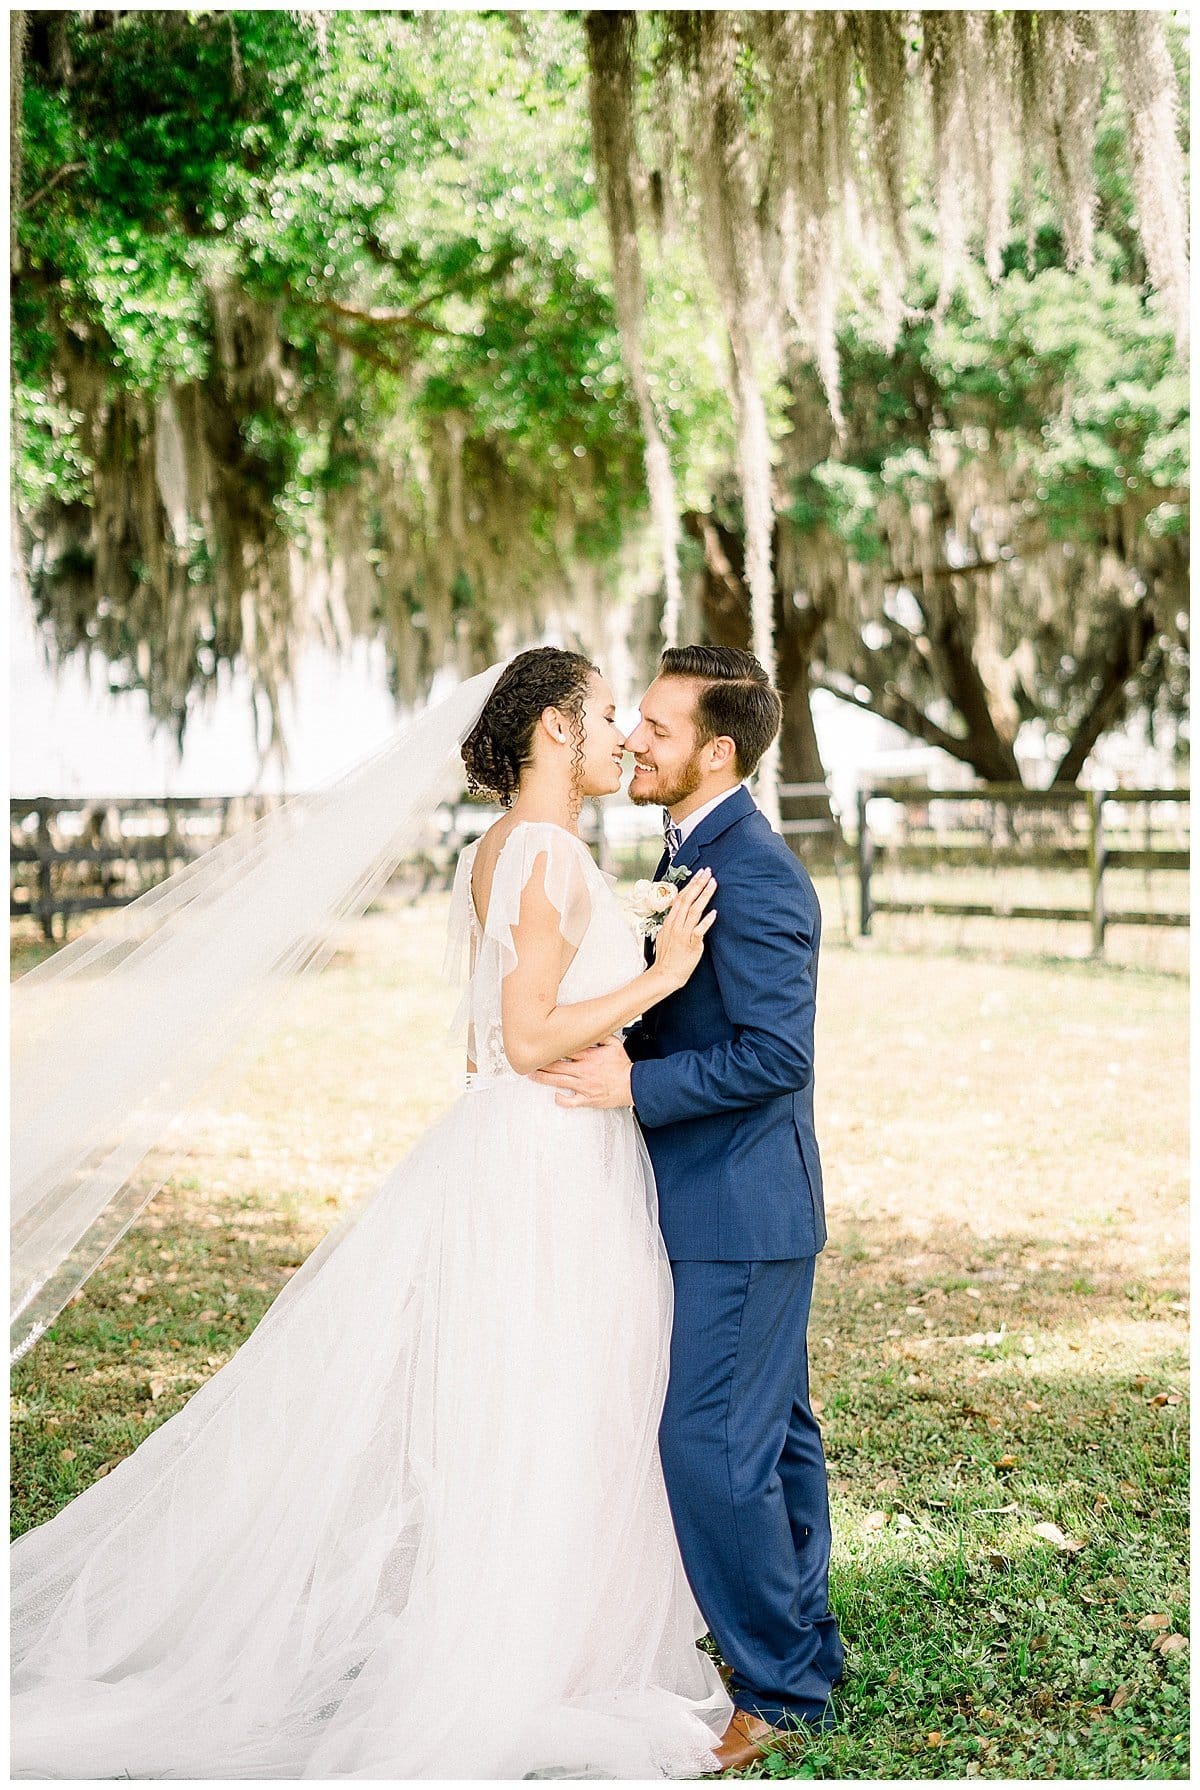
{"type": "Point", "coordinates": [116, 1033]}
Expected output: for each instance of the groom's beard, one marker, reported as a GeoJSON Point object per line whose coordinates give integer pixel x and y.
{"type": "Point", "coordinates": [665, 793]}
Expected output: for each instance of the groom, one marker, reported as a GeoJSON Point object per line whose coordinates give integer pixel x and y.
{"type": "Point", "coordinates": [720, 1075]}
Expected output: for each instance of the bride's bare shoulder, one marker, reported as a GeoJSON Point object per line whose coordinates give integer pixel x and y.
{"type": "Point", "coordinates": [487, 851]}
{"type": "Point", "coordinates": [491, 843]}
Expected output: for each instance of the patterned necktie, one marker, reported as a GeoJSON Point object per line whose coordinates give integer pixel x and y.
{"type": "Point", "coordinates": [672, 835]}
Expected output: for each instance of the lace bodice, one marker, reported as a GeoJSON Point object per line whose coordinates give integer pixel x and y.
{"type": "Point", "coordinates": [608, 952]}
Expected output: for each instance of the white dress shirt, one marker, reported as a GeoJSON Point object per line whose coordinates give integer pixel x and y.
{"type": "Point", "coordinates": [693, 820]}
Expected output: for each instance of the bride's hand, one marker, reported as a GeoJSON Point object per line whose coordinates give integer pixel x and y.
{"type": "Point", "coordinates": [680, 942]}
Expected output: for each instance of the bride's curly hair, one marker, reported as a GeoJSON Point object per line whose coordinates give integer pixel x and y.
{"type": "Point", "coordinates": [500, 745]}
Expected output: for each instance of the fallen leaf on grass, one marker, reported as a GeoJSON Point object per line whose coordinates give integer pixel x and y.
{"type": "Point", "coordinates": [1121, 1696]}
{"type": "Point", "coordinates": [1164, 1398]}
{"type": "Point", "coordinates": [999, 1561]}
{"type": "Point", "coordinates": [875, 1519]}
{"type": "Point", "coordinates": [1157, 1620]}
{"type": "Point", "coordinates": [1167, 1646]}
{"type": "Point", "coordinates": [934, 1739]}
{"type": "Point", "coordinates": [101, 1471]}
{"type": "Point", "coordinates": [1007, 1460]}
{"type": "Point", "coordinates": [66, 1454]}
{"type": "Point", "coordinates": [157, 1387]}
{"type": "Point", "coordinates": [1053, 1534]}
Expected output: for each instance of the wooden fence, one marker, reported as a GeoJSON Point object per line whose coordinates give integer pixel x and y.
{"type": "Point", "coordinates": [1006, 826]}
{"type": "Point", "coordinates": [77, 855]}
{"type": "Point", "coordinates": [72, 856]}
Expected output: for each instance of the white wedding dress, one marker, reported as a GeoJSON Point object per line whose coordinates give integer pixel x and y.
{"type": "Point", "coordinates": [416, 1526]}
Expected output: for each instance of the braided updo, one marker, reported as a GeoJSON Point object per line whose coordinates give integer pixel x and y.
{"type": "Point", "coordinates": [499, 746]}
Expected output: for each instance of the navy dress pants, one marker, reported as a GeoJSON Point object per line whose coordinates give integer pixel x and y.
{"type": "Point", "coordinates": [746, 1479]}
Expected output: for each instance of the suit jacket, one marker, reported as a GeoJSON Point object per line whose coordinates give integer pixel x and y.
{"type": "Point", "coordinates": [723, 1069]}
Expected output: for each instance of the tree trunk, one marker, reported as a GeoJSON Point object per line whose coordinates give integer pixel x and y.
{"type": "Point", "coordinates": [18, 25]}
{"type": "Point", "coordinates": [726, 611]}
{"type": "Point", "coordinates": [799, 750]}
{"type": "Point", "coordinates": [958, 675]}
{"type": "Point", "coordinates": [1126, 653]}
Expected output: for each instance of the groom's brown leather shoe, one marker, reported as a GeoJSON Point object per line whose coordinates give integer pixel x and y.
{"type": "Point", "coordinates": [746, 1739]}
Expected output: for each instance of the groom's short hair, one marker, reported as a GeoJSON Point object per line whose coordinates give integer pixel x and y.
{"type": "Point", "coordinates": [736, 698]}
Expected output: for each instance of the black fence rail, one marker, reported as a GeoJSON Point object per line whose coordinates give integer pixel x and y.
{"type": "Point", "coordinates": [1001, 826]}
{"type": "Point", "coordinates": [73, 856]}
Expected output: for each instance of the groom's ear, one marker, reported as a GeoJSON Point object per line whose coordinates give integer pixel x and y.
{"type": "Point", "coordinates": [721, 752]}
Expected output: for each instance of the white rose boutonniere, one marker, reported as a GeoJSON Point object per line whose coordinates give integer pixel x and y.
{"type": "Point", "coordinates": [652, 902]}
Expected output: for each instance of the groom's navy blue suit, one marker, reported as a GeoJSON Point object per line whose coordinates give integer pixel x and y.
{"type": "Point", "coordinates": [723, 1087]}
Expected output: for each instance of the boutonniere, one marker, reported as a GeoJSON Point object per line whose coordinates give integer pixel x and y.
{"type": "Point", "coordinates": [652, 902]}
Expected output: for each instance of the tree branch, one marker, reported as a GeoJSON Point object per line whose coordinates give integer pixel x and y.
{"type": "Point", "coordinates": [382, 317]}
{"type": "Point", "coordinates": [369, 351]}
{"type": "Point", "coordinates": [59, 174]}
{"type": "Point", "coordinates": [893, 706]}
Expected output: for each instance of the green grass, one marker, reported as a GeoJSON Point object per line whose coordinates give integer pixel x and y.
{"type": "Point", "coordinates": [998, 1337]}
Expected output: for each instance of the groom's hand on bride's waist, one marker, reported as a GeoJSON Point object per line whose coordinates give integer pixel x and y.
{"type": "Point", "coordinates": [598, 1076]}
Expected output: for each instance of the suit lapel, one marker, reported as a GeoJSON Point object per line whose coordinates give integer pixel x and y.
{"type": "Point", "coordinates": [725, 815]}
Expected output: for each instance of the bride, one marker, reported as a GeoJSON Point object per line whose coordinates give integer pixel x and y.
{"type": "Point", "coordinates": [417, 1526]}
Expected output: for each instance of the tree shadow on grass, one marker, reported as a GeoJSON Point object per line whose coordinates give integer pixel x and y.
{"type": "Point", "coordinates": [975, 1646]}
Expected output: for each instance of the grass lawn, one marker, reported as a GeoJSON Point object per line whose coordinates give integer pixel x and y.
{"type": "Point", "coordinates": [998, 1340]}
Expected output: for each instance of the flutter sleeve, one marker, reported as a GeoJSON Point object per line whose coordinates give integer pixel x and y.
{"type": "Point", "coordinates": [538, 850]}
